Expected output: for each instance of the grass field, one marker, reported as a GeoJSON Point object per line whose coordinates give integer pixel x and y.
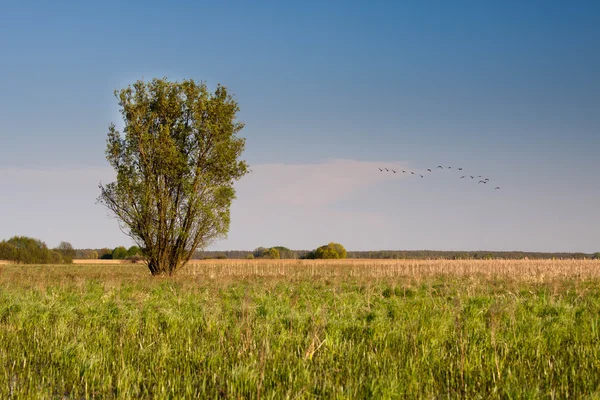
{"type": "Point", "coordinates": [302, 329]}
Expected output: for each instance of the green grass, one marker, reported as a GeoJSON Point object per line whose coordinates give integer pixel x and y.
{"type": "Point", "coordinates": [112, 332]}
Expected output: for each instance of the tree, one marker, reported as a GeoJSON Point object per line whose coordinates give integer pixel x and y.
{"type": "Point", "coordinates": [91, 255]}
{"type": "Point", "coordinates": [286, 253]}
{"type": "Point", "coordinates": [119, 253]}
{"type": "Point", "coordinates": [26, 250]}
{"type": "Point", "coordinates": [134, 251]}
{"type": "Point", "coordinates": [271, 253]}
{"type": "Point", "coordinates": [258, 252]}
{"type": "Point", "coordinates": [67, 252]}
{"type": "Point", "coordinates": [7, 251]}
{"type": "Point", "coordinates": [176, 161]}
{"type": "Point", "coordinates": [328, 251]}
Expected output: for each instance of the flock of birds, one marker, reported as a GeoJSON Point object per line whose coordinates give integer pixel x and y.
{"type": "Point", "coordinates": [481, 179]}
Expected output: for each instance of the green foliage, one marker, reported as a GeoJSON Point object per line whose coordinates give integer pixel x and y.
{"type": "Point", "coordinates": [328, 252]}
{"type": "Point", "coordinates": [258, 252]}
{"type": "Point", "coordinates": [7, 251]}
{"type": "Point", "coordinates": [596, 256]}
{"type": "Point", "coordinates": [25, 250]}
{"type": "Point", "coordinates": [271, 253]}
{"type": "Point", "coordinates": [294, 338]}
{"type": "Point", "coordinates": [286, 253]}
{"type": "Point", "coordinates": [268, 253]}
{"type": "Point", "coordinates": [134, 251]}
{"type": "Point", "coordinates": [67, 252]}
{"type": "Point", "coordinates": [176, 161]}
{"type": "Point", "coordinates": [250, 257]}
{"type": "Point", "coordinates": [105, 254]}
{"type": "Point", "coordinates": [92, 255]}
{"type": "Point", "coordinates": [119, 253]}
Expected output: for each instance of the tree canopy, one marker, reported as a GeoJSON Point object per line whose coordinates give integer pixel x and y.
{"type": "Point", "coordinates": [328, 251]}
{"type": "Point", "coordinates": [26, 250]}
{"type": "Point", "coordinates": [176, 160]}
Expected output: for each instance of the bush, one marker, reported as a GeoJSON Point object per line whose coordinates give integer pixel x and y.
{"type": "Point", "coordinates": [596, 256]}
{"type": "Point", "coordinates": [119, 253]}
{"type": "Point", "coordinates": [105, 254]}
{"type": "Point", "coordinates": [66, 251]}
{"type": "Point", "coordinates": [258, 252]}
{"type": "Point", "coordinates": [269, 253]}
{"type": "Point", "coordinates": [328, 252]}
{"type": "Point", "coordinates": [25, 250]}
{"type": "Point", "coordinates": [286, 253]}
{"type": "Point", "coordinates": [7, 251]}
{"type": "Point", "coordinates": [134, 251]}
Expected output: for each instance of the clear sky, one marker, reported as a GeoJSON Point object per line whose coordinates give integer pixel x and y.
{"type": "Point", "coordinates": [329, 91]}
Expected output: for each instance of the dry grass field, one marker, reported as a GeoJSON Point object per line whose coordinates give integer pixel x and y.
{"type": "Point", "coordinates": [302, 329]}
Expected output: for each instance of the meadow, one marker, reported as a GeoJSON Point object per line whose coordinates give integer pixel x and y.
{"type": "Point", "coordinates": [302, 329]}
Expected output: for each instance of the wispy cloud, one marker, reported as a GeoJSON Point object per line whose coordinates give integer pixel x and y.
{"type": "Point", "coordinates": [314, 185]}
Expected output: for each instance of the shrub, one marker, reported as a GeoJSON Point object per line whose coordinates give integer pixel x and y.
{"type": "Point", "coordinates": [66, 251]}
{"type": "Point", "coordinates": [119, 253]}
{"type": "Point", "coordinates": [596, 256]}
{"type": "Point", "coordinates": [134, 251]}
{"type": "Point", "coordinates": [286, 253]}
{"type": "Point", "coordinates": [328, 251]}
{"type": "Point", "coordinates": [26, 250]}
{"type": "Point", "coordinates": [7, 251]}
{"type": "Point", "coordinates": [271, 253]}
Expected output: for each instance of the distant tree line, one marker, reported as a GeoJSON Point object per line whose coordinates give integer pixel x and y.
{"type": "Point", "coordinates": [26, 250]}
{"type": "Point", "coordinates": [133, 253]}
{"type": "Point", "coordinates": [406, 254]}
{"type": "Point", "coordinates": [331, 250]}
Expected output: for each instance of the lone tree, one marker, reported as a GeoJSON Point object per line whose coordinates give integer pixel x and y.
{"type": "Point", "coordinates": [176, 161]}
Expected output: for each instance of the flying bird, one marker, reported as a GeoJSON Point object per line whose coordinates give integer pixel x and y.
{"type": "Point", "coordinates": [380, 169]}
{"type": "Point", "coordinates": [439, 166]}
{"type": "Point", "coordinates": [460, 169]}
{"type": "Point", "coordinates": [412, 173]}
{"type": "Point", "coordinates": [481, 182]}
{"type": "Point", "coordinates": [486, 179]}
{"type": "Point", "coordinates": [449, 167]}
{"type": "Point", "coordinates": [462, 177]}
{"type": "Point", "coordinates": [387, 170]}
{"type": "Point", "coordinates": [393, 171]}
{"type": "Point", "coordinates": [472, 177]}
{"type": "Point", "coordinates": [420, 175]}
{"type": "Point", "coordinates": [428, 170]}
{"type": "Point", "coordinates": [403, 172]}
{"type": "Point", "coordinates": [497, 188]}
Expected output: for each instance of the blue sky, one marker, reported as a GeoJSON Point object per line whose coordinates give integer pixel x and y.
{"type": "Point", "coordinates": [328, 92]}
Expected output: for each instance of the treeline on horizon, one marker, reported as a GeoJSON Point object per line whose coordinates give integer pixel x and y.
{"type": "Point", "coordinates": [380, 254]}
{"type": "Point", "coordinates": [27, 250]}
{"type": "Point", "coordinates": [415, 255]}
